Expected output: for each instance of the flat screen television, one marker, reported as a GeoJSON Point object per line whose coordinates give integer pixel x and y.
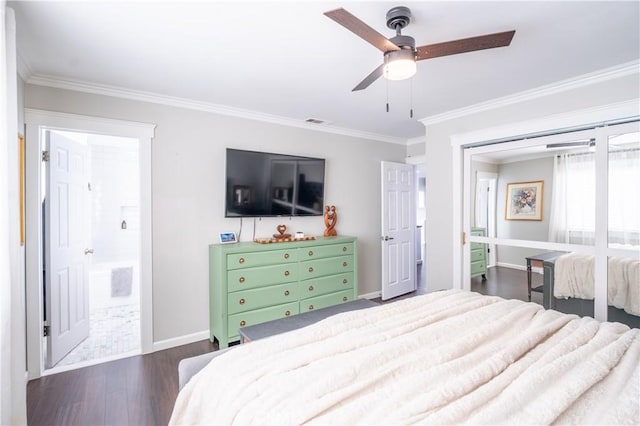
{"type": "Point", "coordinates": [264, 184]}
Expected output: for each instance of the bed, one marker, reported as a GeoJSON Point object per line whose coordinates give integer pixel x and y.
{"type": "Point", "coordinates": [569, 287]}
{"type": "Point", "coordinates": [448, 357]}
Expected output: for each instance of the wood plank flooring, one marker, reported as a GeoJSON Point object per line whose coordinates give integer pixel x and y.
{"type": "Point", "coordinates": [139, 390]}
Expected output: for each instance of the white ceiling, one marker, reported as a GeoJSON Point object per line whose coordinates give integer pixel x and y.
{"type": "Point", "coordinates": [288, 60]}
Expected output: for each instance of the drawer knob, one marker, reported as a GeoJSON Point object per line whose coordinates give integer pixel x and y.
{"type": "Point", "coordinates": [311, 307]}
{"type": "Point", "coordinates": [344, 248]}
{"type": "Point", "coordinates": [344, 299]}
{"type": "Point", "coordinates": [286, 314]}
{"type": "Point", "coordinates": [241, 280]}
{"type": "Point", "coordinates": [242, 323]}
{"type": "Point", "coordinates": [286, 292]}
{"type": "Point", "coordinates": [344, 281]}
{"type": "Point", "coordinates": [310, 268]}
{"type": "Point", "coordinates": [241, 260]}
{"type": "Point", "coordinates": [310, 288]}
{"type": "Point", "coordinates": [344, 264]}
{"type": "Point", "coordinates": [286, 255]}
{"type": "Point", "coordinates": [286, 273]}
{"type": "Point", "coordinates": [242, 301]}
{"type": "Point", "coordinates": [310, 252]}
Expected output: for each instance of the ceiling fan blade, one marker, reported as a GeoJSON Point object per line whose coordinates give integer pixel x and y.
{"type": "Point", "coordinates": [463, 45]}
{"type": "Point", "coordinates": [359, 28]}
{"type": "Point", "coordinates": [375, 74]}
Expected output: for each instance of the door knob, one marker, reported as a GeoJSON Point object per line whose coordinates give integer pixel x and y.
{"type": "Point", "coordinates": [387, 238]}
{"type": "Point", "coordinates": [88, 251]}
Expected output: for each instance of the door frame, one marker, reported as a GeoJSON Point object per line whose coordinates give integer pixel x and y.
{"type": "Point", "coordinates": [36, 120]}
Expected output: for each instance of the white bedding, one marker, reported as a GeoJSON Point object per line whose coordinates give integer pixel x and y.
{"type": "Point", "coordinates": [444, 358]}
{"type": "Point", "coordinates": [573, 277]}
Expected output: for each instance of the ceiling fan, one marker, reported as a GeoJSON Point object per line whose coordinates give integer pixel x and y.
{"type": "Point", "coordinates": [400, 52]}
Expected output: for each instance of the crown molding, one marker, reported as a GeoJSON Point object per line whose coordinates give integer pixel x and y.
{"type": "Point", "coordinates": [24, 70]}
{"type": "Point", "coordinates": [119, 92]}
{"type": "Point", "coordinates": [600, 76]}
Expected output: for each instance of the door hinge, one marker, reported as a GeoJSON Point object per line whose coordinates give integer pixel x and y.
{"type": "Point", "coordinates": [464, 238]}
{"type": "Point", "coordinates": [46, 330]}
{"type": "Point", "coordinates": [89, 186]}
{"type": "Point", "coordinates": [45, 155]}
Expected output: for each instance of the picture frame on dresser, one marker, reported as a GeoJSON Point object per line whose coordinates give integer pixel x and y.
{"type": "Point", "coordinates": [228, 238]}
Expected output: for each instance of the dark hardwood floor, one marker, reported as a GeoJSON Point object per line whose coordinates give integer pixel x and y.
{"type": "Point", "coordinates": [508, 283]}
{"type": "Point", "coordinates": [139, 390]}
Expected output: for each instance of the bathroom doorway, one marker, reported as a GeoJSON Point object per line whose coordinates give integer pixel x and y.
{"type": "Point", "coordinates": [92, 308]}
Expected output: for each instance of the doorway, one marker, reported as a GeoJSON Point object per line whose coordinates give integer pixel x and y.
{"type": "Point", "coordinates": [100, 318]}
{"type": "Point", "coordinates": [38, 122]}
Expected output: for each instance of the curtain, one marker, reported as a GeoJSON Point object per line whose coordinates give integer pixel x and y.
{"type": "Point", "coordinates": [572, 217]}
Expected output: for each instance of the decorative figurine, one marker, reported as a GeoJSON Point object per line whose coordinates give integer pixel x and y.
{"type": "Point", "coordinates": [330, 220]}
{"type": "Point", "coordinates": [281, 235]}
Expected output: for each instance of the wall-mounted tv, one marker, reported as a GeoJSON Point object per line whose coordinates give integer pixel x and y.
{"type": "Point", "coordinates": [263, 184]}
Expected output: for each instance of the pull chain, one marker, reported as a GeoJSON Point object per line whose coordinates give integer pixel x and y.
{"type": "Point", "coordinates": [411, 98]}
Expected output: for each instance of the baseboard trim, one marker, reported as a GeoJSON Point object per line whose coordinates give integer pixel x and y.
{"type": "Point", "coordinates": [181, 340]}
{"type": "Point", "coordinates": [535, 269]}
{"type": "Point", "coordinates": [370, 296]}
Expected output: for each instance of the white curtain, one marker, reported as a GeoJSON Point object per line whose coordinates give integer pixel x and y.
{"type": "Point", "coordinates": [573, 199]}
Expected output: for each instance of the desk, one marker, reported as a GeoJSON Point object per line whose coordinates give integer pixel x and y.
{"type": "Point", "coordinates": [537, 260]}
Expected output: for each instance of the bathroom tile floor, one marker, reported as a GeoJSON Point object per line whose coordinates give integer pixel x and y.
{"type": "Point", "coordinates": [112, 331]}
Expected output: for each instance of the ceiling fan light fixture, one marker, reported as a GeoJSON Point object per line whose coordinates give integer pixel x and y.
{"type": "Point", "coordinates": [399, 64]}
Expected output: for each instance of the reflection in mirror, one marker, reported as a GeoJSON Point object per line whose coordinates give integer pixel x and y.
{"type": "Point", "coordinates": [624, 191]}
{"type": "Point", "coordinates": [623, 290]}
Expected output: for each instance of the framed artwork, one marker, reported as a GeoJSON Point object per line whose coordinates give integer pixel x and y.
{"type": "Point", "coordinates": [228, 238]}
{"type": "Point", "coordinates": [524, 201]}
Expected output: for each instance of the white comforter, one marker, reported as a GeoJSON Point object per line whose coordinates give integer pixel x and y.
{"type": "Point", "coordinates": [444, 358]}
{"type": "Point", "coordinates": [574, 277]}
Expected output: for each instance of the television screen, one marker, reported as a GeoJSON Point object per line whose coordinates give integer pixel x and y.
{"type": "Point", "coordinates": [261, 184]}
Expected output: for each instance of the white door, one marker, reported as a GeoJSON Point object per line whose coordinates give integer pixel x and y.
{"type": "Point", "coordinates": [398, 230]}
{"type": "Point", "coordinates": [67, 249]}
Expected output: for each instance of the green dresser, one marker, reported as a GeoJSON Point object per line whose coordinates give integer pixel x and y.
{"type": "Point", "coordinates": [251, 283]}
{"type": "Point", "coordinates": [478, 255]}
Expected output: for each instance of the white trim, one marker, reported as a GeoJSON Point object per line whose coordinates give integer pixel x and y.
{"type": "Point", "coordinates": [181, 340]}
{"type": "Point", "coordinates": [599, 114]}
{"type": "Point", "coordinates": [35, 121]}
{"type": "Point", "coordinates": [373, 295]}
{"type": "Point", "coordinates": [536, 269]}
{"type": "Point", "coordinates": [600, 76]}
{"type": "Point", "coordinates": [137, 95]}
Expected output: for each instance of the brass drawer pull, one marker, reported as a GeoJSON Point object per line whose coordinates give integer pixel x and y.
{"type": "Point", "coordinates": [344, 248]}
{"type": "Point", "coordinates": [344, 281]}
{"type": "Point", "coordinates": [310, 269]}
{"type": "Point", "coordinates": [310, 252]}
{"type": "Point", "coordinates": [242, 301]}
{"type": "Point", "coordinates": [344, 299]}
{"type": "Point", "coordinates": [311, 307]}
{"type": "Point", "coordinates": [310, 288]}
{"type": "Point", "coordinates": [242, 323]}
{"type": "Point", "coordinates": [286, 273]}
{"type": "Point", "coordinates": [241, 280]}
{"type": "Point", "coordinates": [241, 260]}
{"type": "Point", "coordinates": [344, 264]}
{"type": "Point", "coordinates": [287, 313]}
{"type": "Point", "coordinates": [286, 255]}
{"type": "Point", "coordinates": [286, 292]}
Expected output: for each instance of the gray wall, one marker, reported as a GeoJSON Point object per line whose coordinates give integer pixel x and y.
{"type": "Point", "coordinates": [188, 168]}
{"type": "Point", "coordinates": [438, 154]}
{"type": "Point", "coordinates": [523, 171]}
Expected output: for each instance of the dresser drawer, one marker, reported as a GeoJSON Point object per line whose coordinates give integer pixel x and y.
{"type": "Point", "coordinates": [477, 255]}
{"type": "Point", "coordinates": [324, 285]}
{"type": "Point", "coordinates": [249, 260]}
{"type": "Point", "coordinates": [258, 316]}
{"type": "Point", "coordinates": [321, 267]}
{"type": "Point", "coordinates": [246, 300]}
{"type": "Point", "coordinates": [477, 246]}
{"type": "Point", "coordinates": [326, 300]}
{"type": "Point", "coordinates": [320, 252]}
{"type": "Point", "coordinates": [242, 279]}
{"type": "Point", "coordinates": [478, 267]}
